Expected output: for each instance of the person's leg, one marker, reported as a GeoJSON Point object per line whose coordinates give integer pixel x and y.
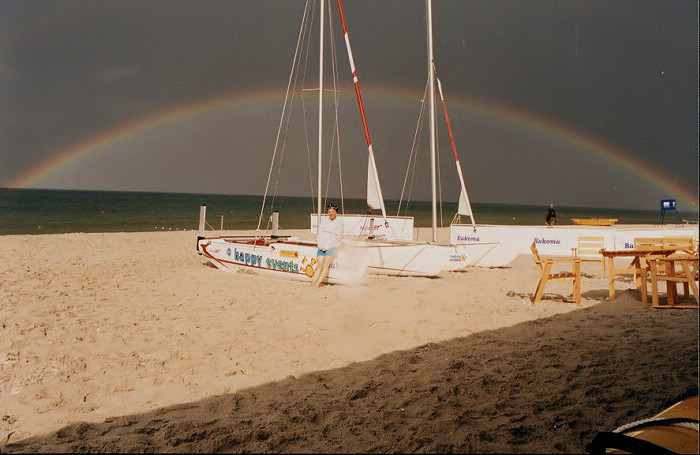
{"type": "Point", "coordinates": [320, 260]}
{"type": "Point", "coordinates": [325, 268]}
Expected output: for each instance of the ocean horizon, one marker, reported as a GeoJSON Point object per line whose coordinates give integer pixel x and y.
{"type": "Point", "coordinates": [43, 211]}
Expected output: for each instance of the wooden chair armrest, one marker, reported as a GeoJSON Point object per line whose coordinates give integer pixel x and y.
{"type": "Point", "coordinates": [561, 259]}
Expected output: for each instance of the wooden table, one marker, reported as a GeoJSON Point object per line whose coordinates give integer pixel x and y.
{"type": "Point", "coordinates": [638, 266]}
{"type": "Point", "coordinates": [664, 269]}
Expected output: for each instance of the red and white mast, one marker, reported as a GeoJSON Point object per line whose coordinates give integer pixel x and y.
{"type": "Point", "coordinates": [463, 197]}
{"type": "Point", "coordinates": [374, 190]}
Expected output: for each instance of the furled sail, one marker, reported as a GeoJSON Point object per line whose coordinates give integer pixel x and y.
{"type": "Point", "coordinates": [374, 198]}
{"type": "Point", "coordinates": [463, 208]}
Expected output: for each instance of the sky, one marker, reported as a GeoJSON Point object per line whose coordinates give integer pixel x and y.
{"type": "Point", "coordinates": [577, 103]}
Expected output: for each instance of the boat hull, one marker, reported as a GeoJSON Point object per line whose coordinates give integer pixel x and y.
{"type": "Point", "coordinates": [402, 258]}
{"type": "Point", "coordinates": [287, 259]}
{"type": "Point", "coordinates": [467, 255]}
{"type": "Point", "coordinates": [296, 259]}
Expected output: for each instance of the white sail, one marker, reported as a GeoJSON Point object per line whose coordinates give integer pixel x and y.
{"type": "Point", "coordinates": [463, 208]}
{"type": "Point", "coordinates": [374, 199]}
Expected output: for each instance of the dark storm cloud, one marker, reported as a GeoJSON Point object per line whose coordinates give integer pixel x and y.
{"type": "Point", "coordinates": [624, 72]}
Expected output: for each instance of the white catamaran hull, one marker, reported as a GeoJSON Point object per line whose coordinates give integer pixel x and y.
{"type": "Point", "coordinates": [401, 259]}
{"type": "Point", "coordinates": [286, 258]}
{"type": "Point", "coordinates": [296, 259]}
{"type": "Point", "coordinates": [467, 255]}
{"type": "Point", "coordinates": [556, 240]}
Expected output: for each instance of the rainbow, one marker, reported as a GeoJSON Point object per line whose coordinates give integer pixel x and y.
{"type": "Point", "coordinates": [68, 155]}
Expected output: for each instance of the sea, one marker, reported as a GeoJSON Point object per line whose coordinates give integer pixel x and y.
{"type": "Point", "coordinates": [33, 211]}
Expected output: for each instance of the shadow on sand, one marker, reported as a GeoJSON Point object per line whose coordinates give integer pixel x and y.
{"type": "Point", "coordinates": [542, 386]}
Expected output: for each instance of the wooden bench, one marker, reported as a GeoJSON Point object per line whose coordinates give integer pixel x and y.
{"type": "Point", "coordinates": [588, 250]}
{"type": "Point", "coordinates": [544, 265]}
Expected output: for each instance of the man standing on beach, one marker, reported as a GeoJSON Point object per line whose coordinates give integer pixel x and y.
{"type": "Point", "coordinates": [551, 216]}
{"type": "Point", "coordinates": [330, 233]}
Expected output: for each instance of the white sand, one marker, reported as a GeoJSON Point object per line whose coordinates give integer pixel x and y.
{"type": "Point", "coordinates": [100, 325]}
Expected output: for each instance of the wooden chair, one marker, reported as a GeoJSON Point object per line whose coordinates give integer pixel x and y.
{"type": "Point", "coordinates": [665, 269]}
{"type": "Point", "coordinates": [544, 265]}
{"type": "Point", "coordinates": [588, 250]}
{"type": "Point", "coordinates": [639, 280]}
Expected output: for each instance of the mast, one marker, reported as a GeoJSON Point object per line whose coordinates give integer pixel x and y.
{"type": "Point", "coordinates": [431, 82]}
{"type": "Point", "coordinates": [320, 114]}
{"type": "Point", "coordinates": [455, 155]}
{"type": "Point", "coordinates": [372, 174]}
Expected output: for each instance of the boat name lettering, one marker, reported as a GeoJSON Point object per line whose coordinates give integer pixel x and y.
{"type": "Point", "coordinates": [629, 246]}
{"type": "Point", "coordinates": [247, 258]}
{"type": "Point", "coordinates": [547, 241]}
{"type": "Point", "coordinates": [287, 266]}
{"type": "Point", "coordinates": [467, 238]}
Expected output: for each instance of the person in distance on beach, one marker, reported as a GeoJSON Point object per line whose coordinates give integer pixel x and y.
{"type": "Point", "coordinates": [329, 236]}
{"type": "Point", "coordinates": [551, 216]}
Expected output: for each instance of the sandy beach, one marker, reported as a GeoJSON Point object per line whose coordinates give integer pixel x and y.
{"type": "Point", "coordinates": [131, 342]}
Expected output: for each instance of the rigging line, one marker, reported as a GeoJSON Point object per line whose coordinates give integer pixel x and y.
{"type": "Point", "coordinates": [413, 173]}
{"type": "Point", "coordinates": [419, 135]}
{"type": "Point", "coordinates": [288, 119]}
{"type": "Point", "coordinates": [279, 128]}
{"type": "Point", "coordinates": [413, 147]}
{"type": "Point", "coordinates": [303, 107]}
{"type": "Point", "coordinates": [336, 96]}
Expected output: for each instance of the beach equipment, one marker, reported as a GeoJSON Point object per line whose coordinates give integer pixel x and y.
{"type": "Point", "coordinates": [594, 221]}
{"type": "Point", "coordinates": [544, 265]}
{"type": "Point", "coordinates": [673, 430]}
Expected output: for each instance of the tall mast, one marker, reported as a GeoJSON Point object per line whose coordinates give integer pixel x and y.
{"type": "Point", "coordinates": [361, 105]}
{"type": "Point", "coordinates": [320, 113]}
{"type": "Point", "coordinates": [431, 79]}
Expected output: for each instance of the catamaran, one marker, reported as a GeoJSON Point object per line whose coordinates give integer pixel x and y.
{"type": "Point", "coordinates": [293, 258]}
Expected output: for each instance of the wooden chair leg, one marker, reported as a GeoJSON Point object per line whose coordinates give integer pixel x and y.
{"type": "Point", "coordinates": [654, 284]}
{"type": "Point", "coordinates": [691, 280]}
{"type": "Point", "coordinates": [577, 282]}
{"type": "Point", "coordinates": [611, 280]}
{"type": "Point", "coordinates": [537, 295]}
{"type": "Point", "coordinates": [671, 294]}
{"type": "Point", "coordinates": [643, 276]}
{"type": "Point", "coordinates": [540, 285]}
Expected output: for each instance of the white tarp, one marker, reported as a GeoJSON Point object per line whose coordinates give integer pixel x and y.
{"type": "Point", "coordinates": [558, 240]}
